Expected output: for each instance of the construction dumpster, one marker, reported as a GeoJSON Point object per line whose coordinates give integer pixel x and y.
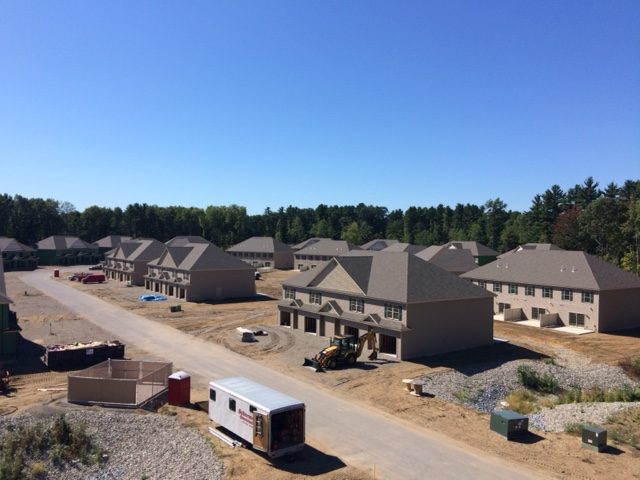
{"type": "Point", "coordinates": [81, 355]}
{"type": "Point", "coordinates": [509, 424]}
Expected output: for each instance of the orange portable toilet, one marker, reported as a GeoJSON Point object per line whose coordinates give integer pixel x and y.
{"type": "Point", "coordinates": [179, 388]}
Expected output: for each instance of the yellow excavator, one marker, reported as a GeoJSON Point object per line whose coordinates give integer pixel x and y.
{"type": "Point", "coordinates": [342, 349]}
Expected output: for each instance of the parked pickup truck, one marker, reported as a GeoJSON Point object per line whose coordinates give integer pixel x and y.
{"type": "Point", "coordinates": [94, 278]}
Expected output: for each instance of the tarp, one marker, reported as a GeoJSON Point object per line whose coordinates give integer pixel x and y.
{"type": "Point", "coordinates": [151, 297]}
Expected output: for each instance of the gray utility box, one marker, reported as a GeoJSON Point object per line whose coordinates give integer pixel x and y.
{"type": "Point", "coordinates": [594, 438]}
{"type": "Point", "coordinates": [509, 424]}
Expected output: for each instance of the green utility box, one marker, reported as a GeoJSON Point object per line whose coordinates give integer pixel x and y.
{"type": "Point", "coordinates": [594, 438]}
{"type": "Point", "coordinates": [176, 308]}
{"type": "Point", "coordinates": [509, 424]}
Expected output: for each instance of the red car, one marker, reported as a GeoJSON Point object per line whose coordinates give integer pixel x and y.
{"type": "Point", "coordinates": [94, 278]}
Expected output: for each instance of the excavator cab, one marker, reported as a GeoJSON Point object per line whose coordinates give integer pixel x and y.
{"type": "Point", "coordinates": [344, 343]}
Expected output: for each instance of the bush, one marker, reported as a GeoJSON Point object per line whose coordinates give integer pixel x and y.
{"type": "Point", "coordinates": [533, 380]}
{"type": "Point", "coordinates": [522, 401]}
{"type": "Point", "coordinates": [574, 428]}
{"type": "Point", "coordinates": [58, 443]}
{"type": "Point", "coordinates": [632, 367]}
{"type": "Point", "coordinates": [621, 394]}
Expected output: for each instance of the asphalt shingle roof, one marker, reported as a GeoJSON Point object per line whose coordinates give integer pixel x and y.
{"type": "Point", "coordinates": [261, 245]}
{"type": "Point", "coordinates": [12, 245]}
{"type": "Point", "coordinates": [477, 249]}
{"type": "Point", "coordinates": [395, 276]}
{"type": "Point", "coordinates": [112, 241]}
{"type": "Point", "coordinates": [182, 240]}
{"type": "Point", "coordinates": [454, 261]}
{"type": "Point", "coordinates": [328, 248]}
{"type": "Point", "coordinates": [142, 249]}
{"type": "Point", "coordinates": [199, 256]}
{"type": "Point", "coordinates": [404, 247]}
{"type": "Point", "coordinates": [378, 244]}
{"type": "Point", "coordinates": [556, 268]}
{"type": "Point", "coordinates": [61, 242]}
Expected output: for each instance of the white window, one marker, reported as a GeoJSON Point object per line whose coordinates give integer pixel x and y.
{"type": "Point", "coordinates": [587, 297]}
{"type": "Point", "coordinates": [393, 311]}
{"type": "Point", "coordinates": [513, 288]}
{"type": "Point", "coordinates": [497, 287]}
{"type": "Point", "coordinates": [530, 291]}
{"type": "Point", "coordinates": [356, 305]}
{"type": "Point", "coordinates": [290, 293]}
{"type": "Point", "coordinates": [315, 297]}
{"type": "Point", "coordinates": [547, 292]}
{"type": "Point", "coordinates": [567, 294]}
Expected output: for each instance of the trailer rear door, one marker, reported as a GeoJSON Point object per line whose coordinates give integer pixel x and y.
{"type": "Point", "coordinates": [260, 431]}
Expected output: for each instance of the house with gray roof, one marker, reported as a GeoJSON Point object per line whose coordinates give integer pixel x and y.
{"type": "Point", "coordinates": [533, 246]}
{"type": "Point", "coordinates": [561, 288]}
{"type": "Point", "coordinates": [128, 261]}
{"type": "Point", "coordinates": [8, 324]}
{"type": "Point", "coordinates": [17, 256]}
{"type": "Point", "coordinates": [404, 247]}
{"type": "Point", "coordinates": [481, 253]}
{"type": "Point", "coordinates": [182, 240]}
{"type": "Point", "coordinates": [108, 243]}
{"type": "Point", "coordinates": [307, 242]}
{"type": "Point", "coordinates": [415, 308]}
{"type": "Point", "coordinates": [264, 252]}
{"type": "Point", "coordinates": [67, 250]}
{"type": "Point", "coordinates": [456, 261]}
{"type": "Point", "coordinates": [321, 251]}
{"type": "Point", "coordinates": [199, 272]}
{"type": "Point", "coordinates": [378, 244]}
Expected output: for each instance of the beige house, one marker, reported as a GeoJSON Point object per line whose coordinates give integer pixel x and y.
{"type": "Point", "coordinates": [128, 261]}
{"type": "Point", "coordinates": [561, 288]}
{"type": "Point", "coordinates": [321, 251]}
{"type": "Point", "coordinates": [415, 308]}
{"type": "Point", "coordinates": [200, 272]}
{"type": "Point", "coordinates": [264, 252]}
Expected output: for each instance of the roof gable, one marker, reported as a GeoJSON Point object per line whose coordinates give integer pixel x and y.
{"type": "Point", "coordinates": [261, 245]}
{"type": "Point", "coordinates": [335, 277]}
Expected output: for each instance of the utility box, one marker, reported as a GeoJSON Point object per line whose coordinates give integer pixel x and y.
{"type": "Point", "coordinates": [179, 388]}
{"type": "Point", "coordinates": [509, 424]}
{"type": "Point", "coordinates": [175, 308]}
{"type": "Point", "coordinates": [594, 438]}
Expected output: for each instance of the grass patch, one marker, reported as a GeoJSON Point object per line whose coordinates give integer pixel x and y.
{"type": "Point", "coordinates": [624, 427]}
{"type": "Point", "coordinates": [621, 394]}
{"type": "Point", "coordinates": [467, 395]}
{"type": "Point", "coordinates": [538, 382]}
{"type": "Point", "coordinates": [631, 367]}
{"type": "Point", "coordinates": [24, 451]}
{"type": "Point", "coordinates": [573, 428]}
{"type": "Point", "coordinates": [522, 401]}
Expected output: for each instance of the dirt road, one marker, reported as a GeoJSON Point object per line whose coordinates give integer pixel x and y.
{"type": "Point", "coordinates": [359, 436]}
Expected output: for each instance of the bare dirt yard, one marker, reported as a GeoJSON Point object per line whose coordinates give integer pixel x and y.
{"type": "Point", "coordinates": [374, 383]}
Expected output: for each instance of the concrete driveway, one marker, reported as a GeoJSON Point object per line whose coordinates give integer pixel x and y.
{"type": "Point", "coordinates": [359, 436]}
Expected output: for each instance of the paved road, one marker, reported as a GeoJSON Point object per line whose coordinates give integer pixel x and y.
{"type": "Point", "coordinates": [358, 436]}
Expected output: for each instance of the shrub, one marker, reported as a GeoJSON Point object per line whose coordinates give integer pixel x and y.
{"type": "Point", "coordinates": [573, 428]}
{"type": "Point", "coordinates": [622, 394]}
{"type": "Point", "coordinates": [38, 470]}
{"type": "Point", "coordinates": [522, 401]}
{"type": "Point", "coordinates": [631, 366]}
{"type": "Point", "coordinates": [533, 380]}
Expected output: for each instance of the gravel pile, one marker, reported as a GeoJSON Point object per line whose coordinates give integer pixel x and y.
{"type": "Point", "coordinates": [139, 446]}
{"type": "Point", "coordinates": [557, 418]}
{"type": "Point", "coordinates": [485, 390]}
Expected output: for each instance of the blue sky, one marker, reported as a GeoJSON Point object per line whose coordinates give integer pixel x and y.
{"type": "Point", "coordinates": [277, 103]}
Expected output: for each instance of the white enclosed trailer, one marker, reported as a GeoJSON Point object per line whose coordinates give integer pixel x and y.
{"type": "Point", "coordinates": [270, 421]}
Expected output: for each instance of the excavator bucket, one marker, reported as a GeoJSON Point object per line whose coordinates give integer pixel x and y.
{"type": "Point", "coordinates": [313, 363]}
{"type": "Point", "coordinates": [373, 356]}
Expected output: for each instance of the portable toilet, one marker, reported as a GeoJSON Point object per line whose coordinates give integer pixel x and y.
{"type": "Point", "coordinates": [179, 388]}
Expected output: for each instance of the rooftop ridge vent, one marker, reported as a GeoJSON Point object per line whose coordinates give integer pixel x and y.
{"type": "Point", "coordinates": [498, 264]}
{"type": "Point", "coordinates": [562, 268]}
{"type": "Point", "coordinates": [573, 269]}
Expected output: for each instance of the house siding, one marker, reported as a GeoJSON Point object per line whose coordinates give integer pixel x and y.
{"type": "Point", "coordinates": [619, 309]}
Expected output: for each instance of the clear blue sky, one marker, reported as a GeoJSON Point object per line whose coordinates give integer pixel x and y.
{"type": "Point", "coordinates": [270, 103]}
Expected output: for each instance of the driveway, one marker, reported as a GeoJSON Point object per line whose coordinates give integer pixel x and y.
{"type": "Point", "coordinates": [359, 436]}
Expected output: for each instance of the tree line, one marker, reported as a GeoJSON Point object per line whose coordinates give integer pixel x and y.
{"type": "Point", "coordinates": [603, 221]}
